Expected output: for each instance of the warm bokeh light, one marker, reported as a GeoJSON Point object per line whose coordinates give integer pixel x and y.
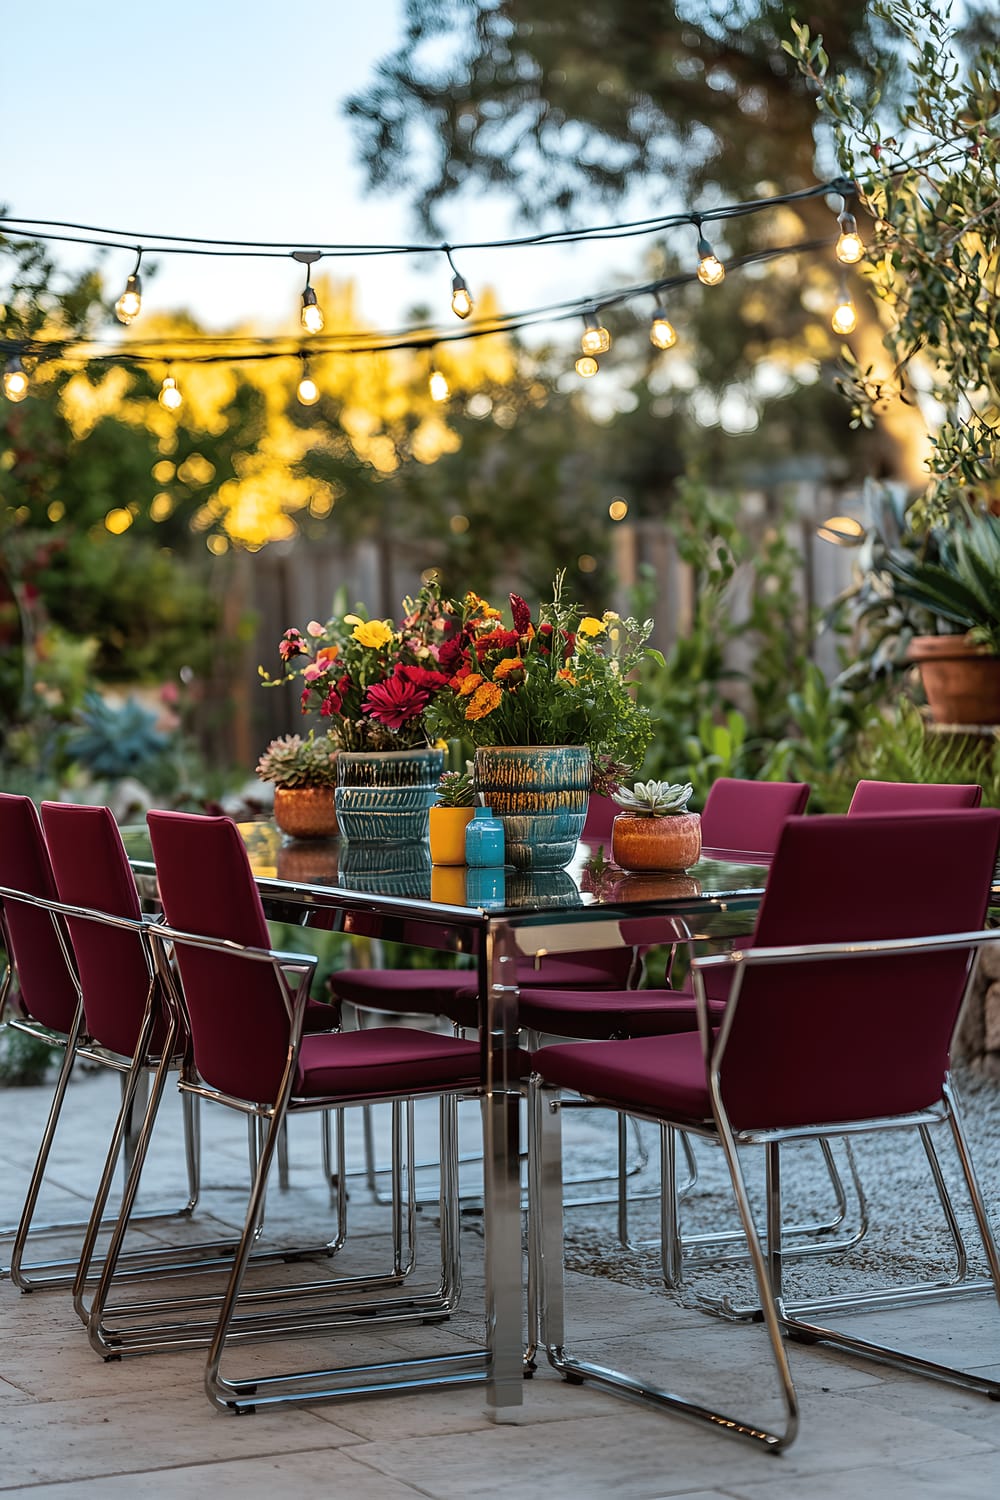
{"type": "Point", "coordinates": [842, 531]}
{"type": "Point", "coordinates": [850, 245]}
{"type": "Point", "coordinates": [438, 386]}
{"type": "Point", "coordinates": [711, 270]}
{"type": "Point", "coordinates": [312, 313]}
{"type": "Point", "coordinates": [170, 396]}
{"type": "Point", "coordinates": [308, 391]}
{"type": "Point", "coordinates": [461, 302]}
{"type": "Point", "coordinates": [129, 304]}
{"type": "Point", "coordinates": [845, 318]}
{"type": "Point", "coordinates": [15, 381]}
{"type": "Point", "coordinates": [587, 366]}
{"type": "Point", "coordinates": [118, 520]}
{"type": "Point", "coordinates": [459, 524]}
{"type": "Point", "coordinates": [595, 338]}
{"type": "Point", "coordinates": [586, 563]}
{"type": "Point", "coordinates": [618, 509]}
{"type": "Point", "coordinates": [662, 333]}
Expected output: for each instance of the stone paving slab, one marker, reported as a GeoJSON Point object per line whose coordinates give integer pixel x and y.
{"type": "Point", "coordinates": [74, 1427]}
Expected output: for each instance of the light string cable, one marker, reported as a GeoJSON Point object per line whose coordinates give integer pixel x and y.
{"type": "Point", "coordinates": [224, 349]}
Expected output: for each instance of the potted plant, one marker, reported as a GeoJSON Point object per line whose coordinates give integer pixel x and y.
{"type": "Point", "coordinates": [450, 815]}
{"type": "Point", "coordinates": [654, 830]}
{"type": "Point", "coordinates": [304, 773]}
{"type": "Point", "coordinates": [549, 706]}
{"type": "Point", "coordinates": [957, 580]}
{"type": "Point", "coordinates": [372, 682]}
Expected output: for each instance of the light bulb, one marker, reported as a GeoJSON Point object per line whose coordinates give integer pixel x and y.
{"type": "Point", "coordinates": [170, 396]}
{"type": "Point", "coordinates": [595, 339]}
{"type": "Point", "coordinates": [438, 386]}
{"type": "Point", "coordinates": [15, 380]}
{"type": "Point", "coordinates": [662, 333]}
{"type": "Point", "coordinates": [844, 319]}
{"type": "Point", "coordinates": [850, 245]}
{"type": "Point", "coordinates": [308, 391]}
{"type": "Point", "coordinates": [710, 268]}
{"type": "Point", "coordinates": [312, 313]}
{"type": "Point", "coordinates": [587, 366]}
{"type": "Point", "coordinates": [130, 302]}
{"type": "Point", "coordinates": [461, 302]}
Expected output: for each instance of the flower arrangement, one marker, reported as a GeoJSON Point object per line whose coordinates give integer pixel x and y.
{"type": "Point", "coordinates": [560, 679]}
{"type": "Point", "coordinates": [373, 680]}
{"type": "Point", "coordinates": [291, 761]}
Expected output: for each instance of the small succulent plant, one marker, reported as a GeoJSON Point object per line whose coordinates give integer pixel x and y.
{"type": "Point", "coordinates": [456, 789]}
{"type": "Point", "coordinates": [655, 799]}
{"type": "Point", "coordinates": [291, 761]}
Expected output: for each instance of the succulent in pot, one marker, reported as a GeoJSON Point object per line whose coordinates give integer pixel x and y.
{"type": "Point", "coordinates": [654, 830]}
{"type": "Point", "coordinates": [450, 814]}
{"type": "Point", "coordinates": [304, 773]}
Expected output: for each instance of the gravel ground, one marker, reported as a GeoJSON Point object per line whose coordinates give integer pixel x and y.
{"type": "Point", "coordinates": [907, 1238]}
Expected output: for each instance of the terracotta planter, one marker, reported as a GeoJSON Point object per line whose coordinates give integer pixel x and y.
{"type": "Point", "coordinates": [668, 843]}
{"type": "Point", "coordinates": [447, 834]}
{"type": "Point", "coordinates": [305, 812]}
{"type": "Point", "coordinates": [961, 681]}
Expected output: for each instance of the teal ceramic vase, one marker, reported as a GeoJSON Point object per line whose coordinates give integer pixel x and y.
{"type": "Point", "coordinates": [387, 869]}
{"type": "Point", "coordinates": [384, 796]}
{"type": "Point", "coordinates": [540, 794]}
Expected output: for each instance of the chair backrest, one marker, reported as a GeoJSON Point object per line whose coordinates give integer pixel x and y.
{"type": "Point", "coordinates": [913, 796]}
{"type": "Point", "coordinates": [240, 1027]}
{"type": "Point", "coordinates": [601, 813]}
{"type": "Point", "coordinates": [856, 1038]}
{"type": "Point", "coordinates": [46, 986]}
{"type": "Point", "coordinates": [750, 814]}
{"type": "Point", "coordinates": [91, 869]}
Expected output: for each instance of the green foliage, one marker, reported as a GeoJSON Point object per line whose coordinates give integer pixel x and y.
{"type": "Point", "coordinates": [456, 789]}
{"type": "Point", "coordinates": [962, 585]}
{"type": "Point", "coordinates": [929, 175]}
{"type": "Point", "coordinates": [654, 799]}
{"type": "Point", "coordinates": [292, 761]}
{"type": "Point", "coordinates": [114, 741]}
{"type": "Point", "coordinates": [899, 745]}
{"type": "Point", "coordinates": [822, 724]}
{"type": "Point", "coordinates": [716, 749]}
{"type": "Point", "coordinates": [24, 1059]}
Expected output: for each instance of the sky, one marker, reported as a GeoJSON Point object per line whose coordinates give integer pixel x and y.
{"type": "Point", "coordinates": [223, 119]}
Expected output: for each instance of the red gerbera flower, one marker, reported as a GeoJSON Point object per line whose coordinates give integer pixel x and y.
{"type": "Point", "coordinates": [422, 677]}
{"type": "Point", "coordinates": [496, 640]}
{"type": "Point", "coordinates": [395, 701]}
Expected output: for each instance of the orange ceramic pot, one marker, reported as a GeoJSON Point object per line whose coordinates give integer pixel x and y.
{"type": "Point", "coordinates": [447, 834]}
{"type": "Point", "coordinates": [654, 885]}
{"type": "Point", "coordinates": [672, 842]}
{"type": "Point", "coordinates": [962, 681]}
{"type": "Point", "coordinates": [305, 812]}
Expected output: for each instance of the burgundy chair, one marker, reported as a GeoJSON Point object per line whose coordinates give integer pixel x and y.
{"type": "Point", "coordinates": [245, 1005]}
{"type": "Point", "coordinates": [748, 816]}
{"type": "Point", "coordinates": [39, 994]}
{"type": "Point", "coordinates": [839, 1020]}
{"type": "Point", "coordinates": [913, 796]}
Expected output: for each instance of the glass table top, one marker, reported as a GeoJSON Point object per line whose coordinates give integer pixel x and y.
{"type": "Point", "coordinates": [310, 870]}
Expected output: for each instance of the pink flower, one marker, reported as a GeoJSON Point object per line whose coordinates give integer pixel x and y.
{"type": "Point", "coordinates": [291, 644]}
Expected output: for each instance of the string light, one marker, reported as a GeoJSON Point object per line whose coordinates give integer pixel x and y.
{"type": "Point", "coordinates": [461, 301]}
{"type": "Point", "coordinates": [710, 268]}
{"type": "Point", "coordinates": [311, 314]}
{"type": "Point", "coordinates": [595, 338]}
{"type": "Point", "coordinates": [129, 304]}
{"type": "Point", "coordinates": [587, 366]}
{"type": "Point", "coordinates": [438, 385]}
{"type": "Point", "coordinates": [845, 316]}
{"type": "Point", "coordinates": [308, 390]}
{"type": "Point", "coordinates": [15, 379]}
{"type": "Point", "coordinates": [662, 333]}
{"type": "Point", "coordinates": [170, 395]}
{"type": "Point", "coordinates": [850, 245]}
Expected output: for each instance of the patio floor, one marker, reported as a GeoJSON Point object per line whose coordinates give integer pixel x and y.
{"type": "Point", "coordinates": [74, 1426]}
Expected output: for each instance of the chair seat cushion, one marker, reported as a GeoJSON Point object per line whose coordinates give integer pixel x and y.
{"type": "Point", "coordinates": [660, 1075]}
{"type": "Point", "coordinates": [384, 1060]}
{"type": "Point", "coordinates": [426, 992]}
{"type": "Point", "coordinates": [606, 1014]}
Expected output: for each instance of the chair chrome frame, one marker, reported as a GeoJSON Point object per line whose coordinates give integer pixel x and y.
{"type": "Point", "coordinates": [317, 1306]}
{"type": "Point", "coordinates": [133, 1073]}
{"type": "Point", "coordinates": [781, 1318]}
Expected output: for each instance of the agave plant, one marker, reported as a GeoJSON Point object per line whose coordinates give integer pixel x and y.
{"type": "Point", "coordinates": [291, 761]}
{"type": "Point", "coordinates": [962, 586]}
{"type": "Point", "coordinates": [655, 799]}
{"type": "Point", "coordinates": [455, 789]}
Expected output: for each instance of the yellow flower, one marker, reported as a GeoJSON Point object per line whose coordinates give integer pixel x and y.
{"type": "Point", "coordinates": [373, 633]}
{"type": "Point", "coordinates": [590, 626]}
{"type": "Point", "coordinates": [484, 700]}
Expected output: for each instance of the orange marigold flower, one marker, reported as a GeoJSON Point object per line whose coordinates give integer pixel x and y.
{"type": "Point", "coordinates": [484, 700]}
{"type": "Point", "coordinates": [567, 675]}
{"type": "Point", "coordinates": [506, 667]}
{"type": "Point", "coordinates": [327, 653]}
{"type": "Point", "coordinates": [468, 684]}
